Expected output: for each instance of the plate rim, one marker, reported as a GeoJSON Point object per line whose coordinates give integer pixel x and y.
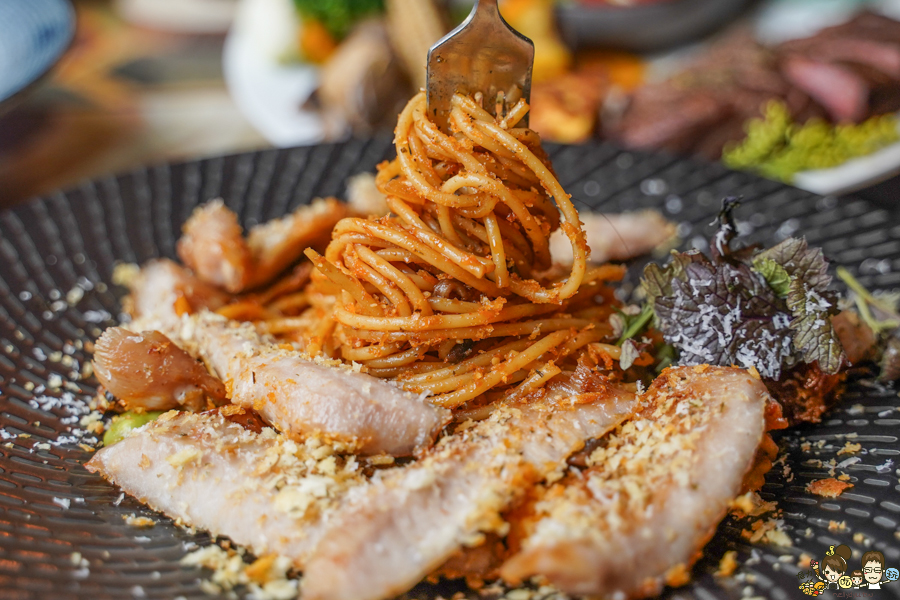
{"type": "Point", "coordinates": [169, 164]}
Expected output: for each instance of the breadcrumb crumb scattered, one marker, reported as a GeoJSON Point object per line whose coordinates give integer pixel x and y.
{"type": "Point", "coordinates": [381, 459]}
{"type": "Point", "coordinates": [751, 505]}
{"type": "Point", "coordinates": [850, 448]}
{"type": "Point", "coordinates": [266, 579]}
{"type": "Point", "coordinates": [727, 565]}
{"type": "Point", "coordinates": [125, 274]}
{"type": "Point", "coordinates": [828, 488]}
{"type": "Point", "coordinates": [182, 457]}
{"type": "Point", "coordinates": [779, 538]}
{"type": "Point", "coordinates": [768, 530]}
{"type": "Point", "coordinates": [138, 522]}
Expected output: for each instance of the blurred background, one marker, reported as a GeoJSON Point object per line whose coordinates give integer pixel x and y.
{"type": "Point", "coordinates": [806, 91]}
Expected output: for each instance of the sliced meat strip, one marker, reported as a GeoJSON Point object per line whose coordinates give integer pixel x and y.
{"type": "Point", "coordinates": [301, 396]}
{"type": "Point", "coordinates": [848, 73]}
{"type": "Point", "coordinates": [884, 56]}
{"type": "Point", "coordinates": [364, 197]}
{"type": "Point", "coordinates": [710, 144]}
{"type": "Point", "coordinates": [616, 237]}
{"type": "Point", "coordinates": [874, 26]}
{"type": "Point", "coordinates": [857, 339]}
{"type": "Point", "coordinates": [657, 489]}
{"type": "Point", "coordinates": [162, 290]}
{"type": "Point", "coordinates": [884, 96]}
{"type": "Point", "coordinates": [802, 107]}
{"type": "Point", "coordinates": [408, 522]}
{"type": "Point", "coordinates": [297, 395]}
{"type": "Point", "coordinates": [663, 117]}
{"type": "Point", "coordinates": [277, 243]}
{"type": "Point", "coordinates": [148, 370]}
{"type": "Point", "coordinates": [843, 93]}
{"type": "Point", "coordinates": [866, 26]}
{"type": "Point", "coordinates": [213, 246]}
{"type": "Point", "coordinates": [264, 491]}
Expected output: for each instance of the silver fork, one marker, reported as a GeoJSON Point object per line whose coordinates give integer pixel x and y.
{"type": "Point", "coordinates": [484, 54]}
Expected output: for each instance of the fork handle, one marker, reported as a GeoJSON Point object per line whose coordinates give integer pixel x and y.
{"type": "Point", "coordinates": [483, 6]}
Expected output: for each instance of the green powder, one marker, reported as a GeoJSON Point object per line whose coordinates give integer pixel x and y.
{"type": "Point", "coordinates": [777, 148]}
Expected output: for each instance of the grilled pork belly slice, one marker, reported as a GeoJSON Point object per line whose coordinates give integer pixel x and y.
{"type": "Point", "coordinates": [264, 491]}
{"type": "Point", "coordinates": [297, 395]}
{"type": "Point", "coordinates": [213, 244]}
{"type": "Point", "coordinates": [162, 290]}
{"type": "Point", "coordinates": [147, 370]}
{"type": "Point", "coordinates": [656, 490]}
{"type": "Point", "coordinates": [409, 521]}
{"type": "Point", "coordinates": [277, 243]}
{"type": "Point", "coordinates": [301, 396]}
{"type": "Point", "coordinates": [616, 237]}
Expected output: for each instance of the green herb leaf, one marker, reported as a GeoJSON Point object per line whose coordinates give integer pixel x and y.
{"type": "Point", "coordinates": [776, 147]}
{"type": "Point", "coordinates": [814, 336]}
{"type": "Point", "coordinates": [724, 314]}
{"type": "Point", "coordinates": [338, 16]}
{"type": "Point", "coordinates": [799, 261]}
{"type": "Point", "coordinates": [665, 356]}
{"type": "Point", "coordinates": [767, 309]}
{"type": "Point", "coordinates": [774, 274]}
{"type": "Point", "coordinates": [658, 280]}
{"type": "Point", "coordinates": [635, 324]}
{"type": "Point", "coordinates": [879, 313]}
{"type": "Point", "coordinates": [808, 297]}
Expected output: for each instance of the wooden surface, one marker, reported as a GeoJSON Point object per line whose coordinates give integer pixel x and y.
{"type": "Point", "coordinates": [121, 97]}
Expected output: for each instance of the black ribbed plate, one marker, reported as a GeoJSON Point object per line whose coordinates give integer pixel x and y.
{"type": "Point", "coordinates": [71, 240]}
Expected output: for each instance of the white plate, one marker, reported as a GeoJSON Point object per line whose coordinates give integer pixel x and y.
{"type": "Point", "coordinates": [780, 20]}
{"type": "Point", "coordinates": [184, 16]}
{"type": "Point", "coordinates": [269, 93]}
{"type": "Point", "coordinates": [852, 175]}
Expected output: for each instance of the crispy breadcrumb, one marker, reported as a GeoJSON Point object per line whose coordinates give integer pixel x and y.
{"type": "Point", "coordinates": [727, 565]}
{"type": "Point", "coordinates": [828, 488]}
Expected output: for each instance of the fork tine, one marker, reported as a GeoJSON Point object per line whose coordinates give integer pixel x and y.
{"type": "Point", "coordinates": [484, 54]}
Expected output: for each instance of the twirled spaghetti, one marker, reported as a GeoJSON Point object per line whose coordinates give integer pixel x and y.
{"type": "Point", "coordinates": [454, 293]}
